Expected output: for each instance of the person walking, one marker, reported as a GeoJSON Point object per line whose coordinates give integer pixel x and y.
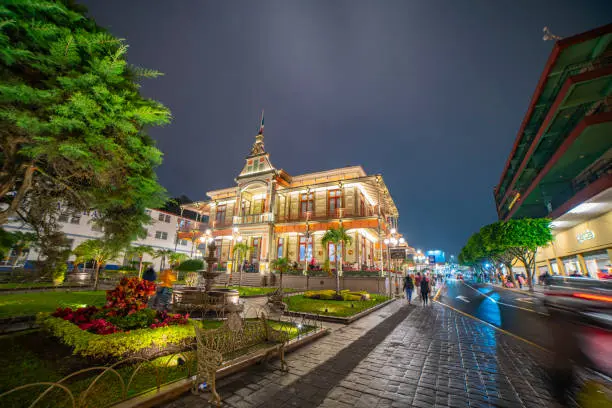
{"type": "Point", "coordinates": [408, 287]}
{"type": "Point", "coordinates": [149, 274]}
{"type": "Point", "coordinates": [425, 291]}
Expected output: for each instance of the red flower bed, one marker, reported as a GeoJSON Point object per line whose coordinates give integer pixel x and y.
{"type": "Point", "coordinates": [125, 309]}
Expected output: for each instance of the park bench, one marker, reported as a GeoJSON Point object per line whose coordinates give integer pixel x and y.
{"type": "Point", "coordinates": [217, 348]}
{"type": "Point", "coordinates": [196, 301]}
{"type": "Point", "coordinates": [275, 301]}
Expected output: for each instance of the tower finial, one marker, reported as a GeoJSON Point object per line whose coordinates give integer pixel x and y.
{"type": "Point", "coordinates": [261, 126]}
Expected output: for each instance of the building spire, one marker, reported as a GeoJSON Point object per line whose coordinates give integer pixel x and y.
{"type": "Point", "coordinates": [258, 146]}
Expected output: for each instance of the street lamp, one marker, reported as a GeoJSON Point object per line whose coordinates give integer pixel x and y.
{"type": "Point", "coordinates": [392, 241]}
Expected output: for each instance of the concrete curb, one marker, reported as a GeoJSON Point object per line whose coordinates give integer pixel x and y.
{"type": "Point", "coordinates": [172, 391]}
{"type": "Point", "coordinates": [336, 319]}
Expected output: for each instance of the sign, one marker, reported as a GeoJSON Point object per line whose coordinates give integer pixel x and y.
{"type": "Point", "coordinates": [432, 259]}
{"type": "Point", "coordinates": [585, 236]}
{"type": "Point", "coordinates": [397, 253]}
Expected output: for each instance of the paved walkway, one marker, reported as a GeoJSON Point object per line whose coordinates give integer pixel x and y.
{"type": "Point", "coordinates": [414, 356]}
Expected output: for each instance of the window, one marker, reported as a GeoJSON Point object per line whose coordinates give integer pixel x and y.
{"type": "Point", "coordinates": [305, 251]}
{"type": "Point", "coordinates": [306, 204]}
{"type": "Point", "coordinates": [362, 207]}
{"type": "Point", "coordinates": [168, 218]}
{"type": "Point", "coordinates": [245, 207]}
{"type": "Point", "coordinates": [334, 201]}
{"type": "Point", "coordinates": [280, 248]}
{"type": "Point", "coordinates": [148, 212]}
{"type": "Point", "coordinates": [256, 244]}
{"type": "Point", "coordinates": [363, 250]}
{"type": "Point", "coordinates": [63, 218]}
{"type": "Point", "coordinates": [220, 214]}
{"type": "Point", "coordinates": [76, 219]}
{"type": "Point", "coordinates": [183, 242]}
{"type": "Point", "coordinates": [161, 216]}
{"type": "Point", "coordinates": [161, 235]}
{"type": "Point", "coordinates": [331, 250]}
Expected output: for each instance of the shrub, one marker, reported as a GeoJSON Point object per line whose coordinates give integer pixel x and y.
{"type": "Point", "coordinates": [191, 279]}
{"type": "Point", "coordinates": [130, 295]}
{"type": "Point", "coordinates": [137, 320]}
{"type": "Point", "coordinates": [117, 344]}
{"type": "Point", "coordinates": [191, 265]}
{"type": "Point", "coordinates": [59, 273]}
{"type": "Point", "coordinates": [331, 295]}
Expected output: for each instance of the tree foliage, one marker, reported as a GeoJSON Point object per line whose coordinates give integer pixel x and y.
{"type": "Point", "coordinates": [506, 242]}
{"type": "Point", "coordinates": [72, 119]}
{"type": "Point", "coordinates": [336, 236]}
{"type": "Point", "coordinates": [282, 266]}
{"type": "Point", "coordinates": [96, 250]}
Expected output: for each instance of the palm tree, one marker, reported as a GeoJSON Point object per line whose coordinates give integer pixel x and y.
{"type": "Point", "coordinates": [139, 251]}
{"type": "Point", "coordinates": [281, 265]}
{"type": "Point", "coordinates": [163, 254]}
{"type": "Point", "coordinates": [175, 259]}
{"type": "Point", "coordinates": [97, 250]}
{"type": "Point", "coordinates": [240, 252]}
{"type": "Point", "coordinates": [336, 236]}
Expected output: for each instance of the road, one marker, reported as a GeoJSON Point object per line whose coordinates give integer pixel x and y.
{"type": "Point", "coordinates": [514, 312]}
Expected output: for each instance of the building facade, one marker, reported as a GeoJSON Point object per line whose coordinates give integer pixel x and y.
{"type": "Point", "coordinates": [561, 164]}
{"type": "Point", "coordinates": [280, 215]}
{"type": "Point", "coordinates": [161, 234]}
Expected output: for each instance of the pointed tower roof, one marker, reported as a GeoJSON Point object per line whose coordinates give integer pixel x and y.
{"type": "Point", "coordinates": [258, 161]}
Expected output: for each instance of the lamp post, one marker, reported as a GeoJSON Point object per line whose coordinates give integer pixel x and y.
{"type": "Point", "coordinates": [205, 239]}
{"type": "Point", "coordinates": [392, 241]}
{"type": "Point", "coordinates": [236, 238]}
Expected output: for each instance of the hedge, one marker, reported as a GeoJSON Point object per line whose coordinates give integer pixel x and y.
{"type": "Point", "coordinates": [125, 344]}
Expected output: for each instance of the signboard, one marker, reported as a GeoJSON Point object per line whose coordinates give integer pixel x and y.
{"type": "Point", "coordinates": [432, 259]}
{"type": "Point", "coordinates": [397, 253]}
{"type": "Point", "coordinates": [585, 236]}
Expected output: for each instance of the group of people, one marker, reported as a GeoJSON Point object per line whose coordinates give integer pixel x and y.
{"type": "Point", "coordinates": [423, 284]}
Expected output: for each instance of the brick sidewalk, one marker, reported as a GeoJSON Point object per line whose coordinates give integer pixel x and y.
{"type": "Point", "coordinates": [397, 357]}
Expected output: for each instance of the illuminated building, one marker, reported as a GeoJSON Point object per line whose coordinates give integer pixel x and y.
{"type": "Point", "coordinates": [561, 164]}
{"type": "Point", "coordinates": [280, 215]}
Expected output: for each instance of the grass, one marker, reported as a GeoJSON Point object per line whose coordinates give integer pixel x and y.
{"type": "Point", "coordinates": [24, 304]}
{"type": "Point", "coordinates": [34, 356]}
{"type": "Point", "coordinates": [337, 308]}
{"type": "Point", "coordinates": [28, 285]}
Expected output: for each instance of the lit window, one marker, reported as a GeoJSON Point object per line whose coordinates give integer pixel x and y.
{"type": "Point", "coordinates": [280, 248]}
{"type": "Point", "coordinates": [331, 250]}
{"type": "Point", "coordinates": [334, 201]}
{"type": "Point", "coordinates": [306, 204]}
{"type": "Point", "coordinates": [305, 252]}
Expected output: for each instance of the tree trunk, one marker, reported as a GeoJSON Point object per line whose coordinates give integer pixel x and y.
{"type": "Point", "coordinates": [280, 285]}
{"type": "Point", "coordinates": [240, 275]}
{"type": "Point", "coordinates": [96, 273]}
{"type": "Point", "coordinates": [337, 277]}
{"type": "Point", "coordinates": [140, 267]}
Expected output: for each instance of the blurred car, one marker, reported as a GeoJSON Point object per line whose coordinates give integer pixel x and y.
{"type": "Point", "coordinates": [580, 322]}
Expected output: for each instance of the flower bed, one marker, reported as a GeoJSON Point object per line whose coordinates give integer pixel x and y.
{"type": "Point", "coordinates": [332, 295]}
{"type": "Point", "coordinates": [329, 307]}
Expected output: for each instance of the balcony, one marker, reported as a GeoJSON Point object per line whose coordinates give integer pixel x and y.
{"type": "Point", "coordinates": [329, 215]}
{"type": "Point", "coordinates": [188, 226]}
{"type": "Point", "coordinates": [253, 218]}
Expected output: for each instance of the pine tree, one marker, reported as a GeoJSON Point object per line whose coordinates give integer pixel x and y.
{"type": "Point", "coordinates": [72, 118]}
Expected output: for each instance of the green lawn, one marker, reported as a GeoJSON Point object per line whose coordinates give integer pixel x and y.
{"type": "Point", "coordinates": [339, 308]}
{"type": "Point", "coordinates": [27, 285]}
{"type": "Point", "coordinates": [23, 304]}
{"type": "Point", "coordinates": [33, 356]}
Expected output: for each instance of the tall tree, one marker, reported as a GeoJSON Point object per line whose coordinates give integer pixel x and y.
{"type": "Point", "coordinates": [336, 236]}
{"type": "Point", "coordinates": [72, 119]}
{"type": "Point", "coordinates": [240, 252]}
{"type": "Point", "coordinates": [21, 242]}
{"type": "Point", "coordinates": [162, 254]}
{"type": "Point", "coordinates": [98, 251]}
{"type": "Point", "coordinates": [522, 238]}
{"type": "Point", "coordinates": [139, 251]}
{"type": "Point", "coordinates": [491, 240]}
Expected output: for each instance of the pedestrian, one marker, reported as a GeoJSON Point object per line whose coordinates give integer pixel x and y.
{"type": "Point", "coordinates": [408, 288]}
{"type": "Point", "coordinates": [149, 274]}
{"type": "Point", "coordinates": [520, 281]}
{"type": "Point", "coordinates": [417, 280]}
{"type": "Point", "coordinates": [425, 291]}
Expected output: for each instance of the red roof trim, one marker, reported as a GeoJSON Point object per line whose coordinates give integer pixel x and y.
{"type": "Point", "coordinates": [569, 82]}
{"type": "Point", "coordinates": [584, 123]}
{"type": "Point", "coordinates": [559, 45]}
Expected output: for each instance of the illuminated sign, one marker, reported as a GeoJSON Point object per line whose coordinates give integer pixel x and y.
{"type": "Point", "coordinates": [585, 236]}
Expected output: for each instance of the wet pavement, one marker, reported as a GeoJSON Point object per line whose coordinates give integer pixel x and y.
{"type": "Point", "coordinates": [399, 356]}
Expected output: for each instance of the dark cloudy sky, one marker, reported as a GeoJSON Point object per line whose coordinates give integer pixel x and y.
{"type": "Point", "coordinates": [428, 93]}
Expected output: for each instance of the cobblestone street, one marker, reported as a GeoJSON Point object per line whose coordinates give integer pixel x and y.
{"type": "Point", "coordinates": [399, 356]}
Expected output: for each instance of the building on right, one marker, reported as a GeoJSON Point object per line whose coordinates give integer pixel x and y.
{"type": "Point", "coordinates": [560, 166]}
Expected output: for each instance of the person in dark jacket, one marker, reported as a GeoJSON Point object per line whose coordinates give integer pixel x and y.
{"type": "Point", "coordinates": [425, 290]}
{"type": "Point", "coordinates": [149, 274]}
{"type": "Point", "coordinates": [408, 287]}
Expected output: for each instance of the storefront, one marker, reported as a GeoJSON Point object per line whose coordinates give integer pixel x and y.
{"type": "Point", "coordinates": [584, 249]}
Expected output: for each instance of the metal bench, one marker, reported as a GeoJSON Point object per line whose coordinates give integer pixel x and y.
{"type": "Point", "coordinates": [254, 339]}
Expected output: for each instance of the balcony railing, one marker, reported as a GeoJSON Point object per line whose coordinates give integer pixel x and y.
{"type": "Point", "coordinates": [254, 218]}
{"type": "Point", "coordinates": [192, 226]}
{"type": "Point", "coordinates": [334, 214]}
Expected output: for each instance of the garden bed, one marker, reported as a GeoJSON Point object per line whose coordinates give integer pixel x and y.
{"type": "Point", "coordinates": [337, 311]}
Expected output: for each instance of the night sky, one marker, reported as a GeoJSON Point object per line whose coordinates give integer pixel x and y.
{"type": "Point", "coordinates": [429, 93]}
